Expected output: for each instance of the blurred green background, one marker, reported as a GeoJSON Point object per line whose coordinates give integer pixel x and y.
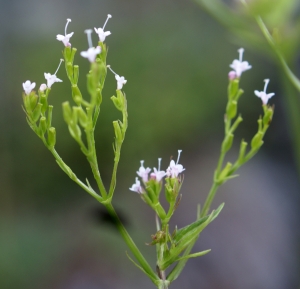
{"type": "Point", "coordinates": [176, 60]}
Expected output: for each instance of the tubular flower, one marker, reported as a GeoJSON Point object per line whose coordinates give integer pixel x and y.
{"type": "Point", "coordinates": [51, 78]}
{"type": "Point", "coordinates": [136, 187]}
{"type": "Point", "coordinates": [65, 39]}
{"type": "Point", "coordinates": [120, 79]}
{"type": "Point", "coordinates": [92, 52]}
{"type": "Point", "coordinates": [158, 174]}
{"type": "Point", "coordinates": [263, 95]}
{"type": "Point", "coordinates": [28, 86]}
{"type": "Point", "coordinates": [143, 172]}
{"type": "Point", "coordinates": [100, 31]}
{"type": "Point", "coordinates": [239, 66]}
{"type": "Point", "coordinates": [175, 169]}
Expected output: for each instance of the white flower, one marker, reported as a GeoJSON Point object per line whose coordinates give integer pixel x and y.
{"type": "Point", "coordinates": [239, 66]}
{"type": "Point", "coordinates": [143, 173]}
{"type": "Point", "coordinates": [28, 86]}
{"type": "Point", "coordinates": [175, 169]}
{"type": "Point", "coordinates": [43, 87]}
{"type": "Point", "coordinates": [120, 79]}
{"type": "Point", "coordinates": [136, 187]}
{"type": "Point", "coordinates": [51, 78]}
{"type": "Point", "coordinates": [158, 174]}
{"type": "Point", "coordinates": [100, 31]}
{"type": "Point", "coordinates": [263, 94]}
{"type": "Point", "coordinates": [91, 53]}
{"type": "Point", "coordinates": [65, 38]}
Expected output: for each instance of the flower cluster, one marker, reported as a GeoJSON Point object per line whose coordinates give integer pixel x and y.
{"type": "Point", "coordinates": [90, 54]}
{"type": "Point", "coordinates": [157, 175]}
{"type": "Point", "coordinates": [239, 66]}
{"type": "Point", "coordinates": [51, 78]}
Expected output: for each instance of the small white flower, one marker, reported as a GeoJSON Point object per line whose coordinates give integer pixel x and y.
{"type": "Point", "coordinates": [43, 87]}
{"type": "Point", "coordinates": [28, 86]}
{"type": "Point", "coordinates": [65, 38]}
{"type": "Point", "coordinates": [120, 79]}
{"type": "Point", "coordinates": [92, 52]}
{"type": "Point", "coordinates": [263, 94]}
{"type": "Point", "coordinates": [158, 174]}
{"type": "Point", "coordinates": [239, 66]}
{"type": "Point", "coordinates": [143, 173]}
{"type": "Point", "coordinates": [136, 187]}
{"type": "Point", "coordinates": [100, 31]}
{"type": "Point", "coordinates": [175, 169]}
{"type": "Point", "coordinates": [51, 78]}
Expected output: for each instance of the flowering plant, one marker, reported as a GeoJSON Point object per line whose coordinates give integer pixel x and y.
{"type": "Point", "coordinates": [173, 246]}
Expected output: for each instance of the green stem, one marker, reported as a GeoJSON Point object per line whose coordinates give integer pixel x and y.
{"type": "Point", "coordinates": [130, 243]}
{"type": "Point", "coordinates": [114, 174]}
{"type": "Point", "coordinates": [209, 199]}
{"type": "Point", "coordinates": [290, 75]}
{"type": "Point", "coordinates": [92, 158]}
{"type": "Point", "coordinates": [72, 176]}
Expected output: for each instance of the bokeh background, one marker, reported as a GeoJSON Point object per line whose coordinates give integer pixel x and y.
{"type": "Point", "coordinates": [176, 59]}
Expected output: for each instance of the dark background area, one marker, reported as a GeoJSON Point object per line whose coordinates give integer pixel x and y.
{"type": "Point", "coordinates": [176, 60]}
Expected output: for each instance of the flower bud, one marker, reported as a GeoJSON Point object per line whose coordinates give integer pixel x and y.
{"type": "Point", "coordinates": [257, 141]}
{"type": "Point", "coordinates": [37, 112]}
{"type": "Point", "coordinates": [49, 116]}
{"type": "Point", "coordinates": [82, 116]}
{"type": "Point", "coordinates": [69, 68]}
{"type": "Point", "coordinates": [118, 131]}
{"type": "Point", "coordinates": [231, 109]}
{"type": "Point", "coordinates": [51, 136]}
{"type": "Point", "coordinates": [67, 53]}
{"type": "Point", "coordinates": [117, 102]}
{"type": "Point", "coordinates": [44, 102]}
{"type": "Point", "coordinates": [73, 54]}
{"type": "Point", "coordinates": [67, 112]}
{"type": "Point", "coordinates": [43, 87]}
{"type": "Point", "coordinates": [269, 111]}
{"type": "Point", "coordinates": [243, 147]}
{"type": "Point", "coordinates": [75, 73]}
{"type": "Point", "coordinates": [233, 88]}
{"type": "Point", "coordinates": [43, 125]}
{"type": "Point", "coordinates": [224, 173]}
{"type": "Point", "coordinates": [76, 94]}
{"type": "Point", "coordinates": [75, 130]}
{"type": "Point", "coordinates": [30, 101]}
{"type": "Point", "coordinates": [227, 143]}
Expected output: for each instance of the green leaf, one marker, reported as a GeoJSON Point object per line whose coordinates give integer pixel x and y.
{"type": "Point", "coordinates": [187, 236]}
{"type": "Point", "coordinates": [195, 255]}
{"type": "Point", "coordinates": [155, 281]}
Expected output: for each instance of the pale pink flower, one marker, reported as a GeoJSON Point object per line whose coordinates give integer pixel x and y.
{"type": "Point", "coordinates": [65, 39]}
{"type": "Point", "coordinates": [263, 95]}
